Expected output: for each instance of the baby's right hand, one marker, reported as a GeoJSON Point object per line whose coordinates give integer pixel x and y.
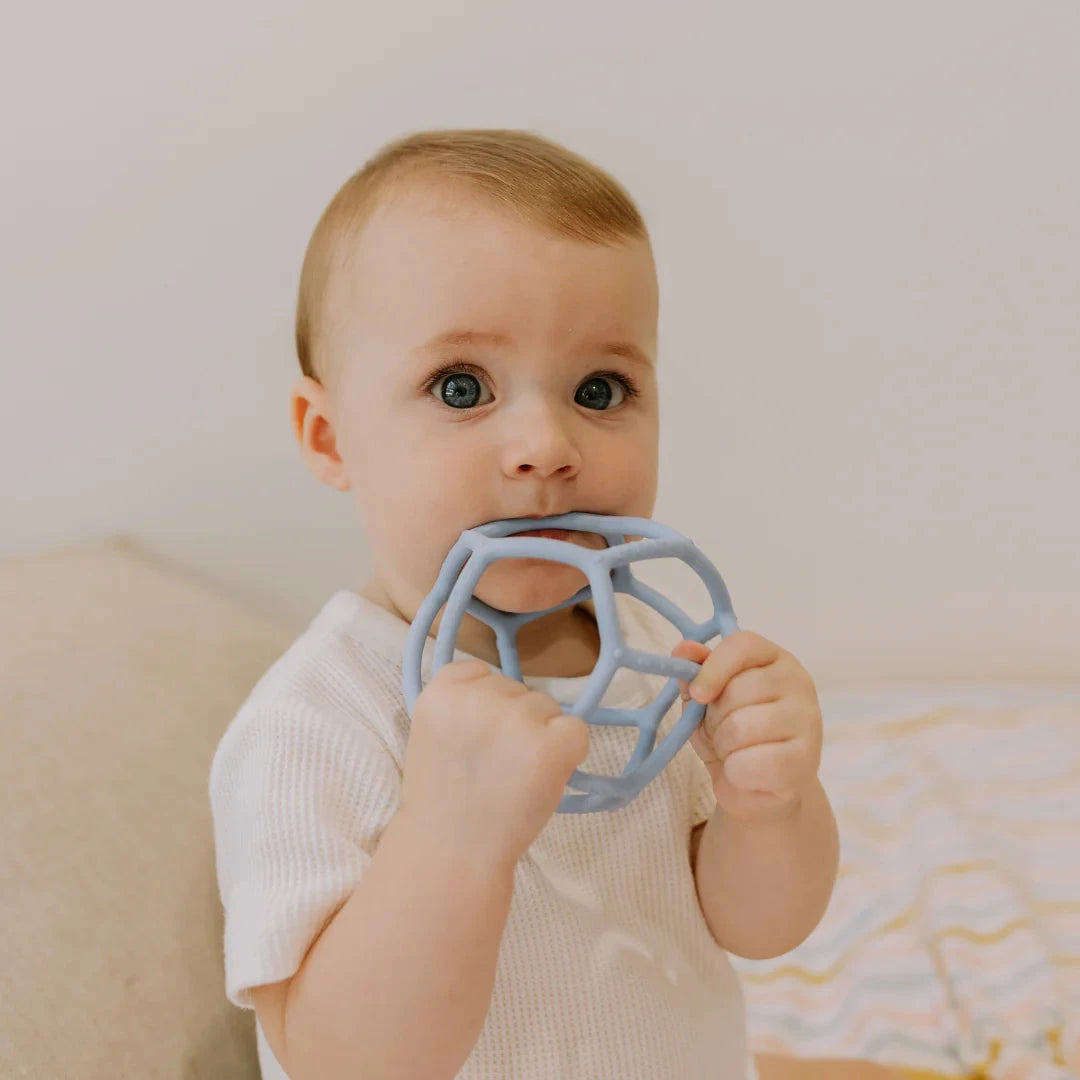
{"type": "Point", "coordinates": [487, 761]}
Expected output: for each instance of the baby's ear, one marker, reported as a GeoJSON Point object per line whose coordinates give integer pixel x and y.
{"type": "Point", "coordinates": [313, 428]}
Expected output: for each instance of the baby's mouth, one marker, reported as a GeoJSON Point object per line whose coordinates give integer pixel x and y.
{"type": "Point", "coordinates": [556, 534]}
{"type": "Point", "coordinates": [570, 536]}
{"type": "Point", "coordinates": [580, 537]}
{"type": "Point", "coordinates": [573, 536]}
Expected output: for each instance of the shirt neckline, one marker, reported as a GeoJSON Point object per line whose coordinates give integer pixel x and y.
{"type": "Point", "coordinates": [347, 608]}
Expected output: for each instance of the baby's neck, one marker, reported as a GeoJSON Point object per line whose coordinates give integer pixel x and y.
{"type": "Point", "coordinates": [570, 655]}
{"type": "Point", "coordinates": [567, 654]}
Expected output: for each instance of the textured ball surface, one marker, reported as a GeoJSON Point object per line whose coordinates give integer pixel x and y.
{"type": "Point", "coordinates": [608, 571]}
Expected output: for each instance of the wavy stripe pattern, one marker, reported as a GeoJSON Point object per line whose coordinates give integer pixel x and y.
{"type": "Point", "coordinates": [951, 945]}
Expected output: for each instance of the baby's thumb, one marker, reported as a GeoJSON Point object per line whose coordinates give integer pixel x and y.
{"type": "Point", "coordinates": [572, 734]}
{"type": "Point", "coordinates": [689, 650]}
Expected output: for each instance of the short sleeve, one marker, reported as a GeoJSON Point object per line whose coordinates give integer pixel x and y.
{"type": "Point", "coordinates": [299, 797]}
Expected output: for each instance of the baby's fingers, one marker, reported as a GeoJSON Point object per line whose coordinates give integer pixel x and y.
{"type": "Point", "coordinates": [689, 650]}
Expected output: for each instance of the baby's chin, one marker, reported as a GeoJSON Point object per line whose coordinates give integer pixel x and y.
{"type": "Point", "coordinates": [522, 585]}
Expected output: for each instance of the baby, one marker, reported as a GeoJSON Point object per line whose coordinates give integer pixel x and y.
{"type": "Point", "coordinates": [477, 332]}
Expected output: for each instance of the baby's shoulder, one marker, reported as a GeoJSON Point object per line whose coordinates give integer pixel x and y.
{"type": "Point", "coordinates": [330, 684]}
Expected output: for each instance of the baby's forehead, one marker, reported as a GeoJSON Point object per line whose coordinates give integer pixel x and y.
{"type": "Point", "coordinates": [435, 191]}
{"type": "Point", "coordinates": [437, 198]}
{"type": "Point", "coordinates": [448, 203]}
{"type": "Point", "coordinates": [441, 248]}
{"type": "Point", "coordinates": [414, 224]}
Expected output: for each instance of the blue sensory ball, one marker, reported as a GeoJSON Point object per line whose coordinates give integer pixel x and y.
{"type": "Point", "coordinates": [608, 571]}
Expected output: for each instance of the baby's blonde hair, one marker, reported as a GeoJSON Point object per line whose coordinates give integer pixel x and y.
{"type": "Point", "coordinates": [544, 182]}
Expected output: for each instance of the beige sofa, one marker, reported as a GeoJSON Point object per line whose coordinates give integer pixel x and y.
{"type": "Point", "coordinates": [119, 675]}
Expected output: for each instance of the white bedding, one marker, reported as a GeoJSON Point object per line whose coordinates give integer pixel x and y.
{"type": "Point", "coordinates": [951, 944]}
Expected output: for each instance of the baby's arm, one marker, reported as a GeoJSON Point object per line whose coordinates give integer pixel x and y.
{"type": "Point", "coordinates": [399, 982]}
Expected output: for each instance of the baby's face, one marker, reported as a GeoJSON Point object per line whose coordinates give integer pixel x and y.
{"type": "Point", "coordinates": [439, 276]}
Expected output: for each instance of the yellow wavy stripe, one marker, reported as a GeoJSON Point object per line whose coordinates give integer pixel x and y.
{"type": "Point", "coordinates": [793, 970]}
{"type": "Point", "coordinates": [869, 728]}
{"type": "Point", "coordinates": [928, 1074]}
{"type": "Point", "coordinates": [1023, 785]}
{"type": "Point", "coordinates": [1054, 1038]}
{"type": "Point", "coordinates": [981, 865]}
{"type": "Point", "coordinates": [802, 975]}
{"type": "Point", "coordinates": [1042, 907]}
{"type": "Point", "coordinates": [968, 866]}
{"type": "Point", "coordinates": [1056, 907]}
{"type": "Point", "coordinates": [850, 817]}
{"type": "Point", "coordinates": [965, 867]}
{"type": "Point", "coordinates": [979, 1072]}
{"type": "Point", "coordinates": [978, 937]}
{"type": "Point", "coordinates": [908, 1072]}
{"type": "Point", "coordinates": [1032, 828]}
{"type": "Point", "coordinates": [904, 919]}
{"type": "Point", "coordinates": [888, 785]}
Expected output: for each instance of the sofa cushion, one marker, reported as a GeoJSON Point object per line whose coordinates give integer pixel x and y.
{"type": "Point", "coordinates": [119, 675]}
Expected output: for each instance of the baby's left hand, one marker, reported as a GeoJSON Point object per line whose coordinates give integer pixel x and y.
{"type": "Point", "coordinates": [760, 737]}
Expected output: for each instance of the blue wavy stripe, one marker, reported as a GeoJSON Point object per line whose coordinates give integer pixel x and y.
{"type": "Point", "coordinates": [1011, 980]}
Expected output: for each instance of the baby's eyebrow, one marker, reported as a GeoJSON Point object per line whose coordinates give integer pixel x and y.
{"type": "Point", "coordinates": [465, 337]}
{"type": "Point", "coordinates": [627, 350]}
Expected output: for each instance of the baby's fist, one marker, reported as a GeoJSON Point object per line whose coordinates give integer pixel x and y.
{"type": "Point", "coordinates": [760, 737]}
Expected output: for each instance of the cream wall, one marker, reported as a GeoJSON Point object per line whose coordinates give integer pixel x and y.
{"type": "Point", "coordinates": [868, 228]}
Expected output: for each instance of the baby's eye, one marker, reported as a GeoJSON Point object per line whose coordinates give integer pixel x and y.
{"type": "Point", "coordinates": [597, 388]}
{"type": "Point", "coordinates": [461, 388]}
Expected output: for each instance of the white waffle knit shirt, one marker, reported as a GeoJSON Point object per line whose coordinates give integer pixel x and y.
{"type": "Point", "coordinates": [606, 967]}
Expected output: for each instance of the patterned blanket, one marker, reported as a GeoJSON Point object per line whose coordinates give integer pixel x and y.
{"type": "Point", "coordinates": [951, 945]}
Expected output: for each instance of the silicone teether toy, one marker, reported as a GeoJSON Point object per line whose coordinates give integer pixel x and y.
{"type": "Point", "coordinates": [608, 572]}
